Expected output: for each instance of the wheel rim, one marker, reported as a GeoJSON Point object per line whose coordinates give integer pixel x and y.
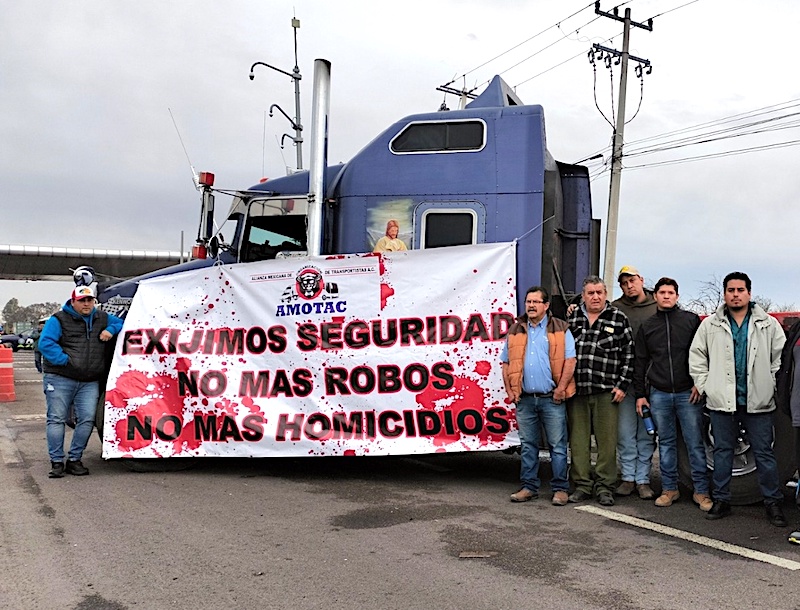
{"type": "Point", "coordinates": [744, 461]}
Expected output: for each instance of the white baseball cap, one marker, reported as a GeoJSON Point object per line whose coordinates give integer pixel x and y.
{"type": "Point", "coordinates": [83, 292]}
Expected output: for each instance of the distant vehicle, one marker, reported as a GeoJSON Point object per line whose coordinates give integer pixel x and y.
{"type": "Point", "coordinates": [25, 339]}
{"type": "Point", "coordinates": [11, 341]}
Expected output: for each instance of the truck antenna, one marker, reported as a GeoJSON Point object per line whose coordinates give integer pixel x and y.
{"type": "Point", "coordinates": [195, 177]}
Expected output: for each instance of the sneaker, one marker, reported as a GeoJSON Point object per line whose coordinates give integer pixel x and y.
{"type": "Point", "coordinates": [523, 495]}
{"type": "Point", "coordinates": [56, 470]}
{"type": "Point", "coordinates": [560, 498]}
{"type": "Point", "coordinates": [775, 515]}
{"type": "Point", "coordinates": [645, 491]}
{"type": "Point", "coordinates": [625, 488]}
{"type": "Point", "coordinates": [703, 501]}
{"type": "Point", "coordinates": [667, 497]}
{"type": "Point", "coordinates": [579, 496]}
{"type": "Point", "coordinates": [794, 537]}
{"type": "Point", "coordinates": [77, 468]}
{"type": "Point", "coordinates": [604, 498]}
{"type": "Point", "coordinates": [719, 510]}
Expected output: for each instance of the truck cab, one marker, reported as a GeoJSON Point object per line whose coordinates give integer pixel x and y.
{"type": "Point", "coordinates": [482, 174]}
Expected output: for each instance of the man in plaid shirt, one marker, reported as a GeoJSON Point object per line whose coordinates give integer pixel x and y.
{"type": "Point", "coordinates": [604, 347]}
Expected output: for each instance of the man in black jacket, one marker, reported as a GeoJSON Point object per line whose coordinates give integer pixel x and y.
{"type": "Point", "coordinates": [662, 361]}
{"type": "Point", "coordinates": [73, 358]}
{"type": "Point", "coordinates": [788, 397]}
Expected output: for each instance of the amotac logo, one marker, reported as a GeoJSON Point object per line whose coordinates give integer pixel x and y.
{"type": "Point", "coordinates": [309, 294]}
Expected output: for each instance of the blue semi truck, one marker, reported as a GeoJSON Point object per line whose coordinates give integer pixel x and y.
{"type": "Point", "coordinates": [481, 174]}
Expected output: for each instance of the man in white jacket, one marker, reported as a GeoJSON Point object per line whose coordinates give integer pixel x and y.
{"type": "Point", "coordinates": [733, 360]}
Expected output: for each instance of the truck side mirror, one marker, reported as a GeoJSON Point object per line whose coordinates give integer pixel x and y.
{"type": "Point", "coordinates": [213, 247]}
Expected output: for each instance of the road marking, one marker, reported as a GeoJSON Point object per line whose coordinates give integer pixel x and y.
{"type": "Point", "coordinates": [8, 449]}
{"type": "Point", "coordinates": [697, 539]}
{"type": "Point", "coordinates": [27, 381]}
{"type": "Point", "coordinates": [28, 417]}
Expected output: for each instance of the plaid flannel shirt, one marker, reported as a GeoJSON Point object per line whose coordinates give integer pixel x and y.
{"type": "Point", "coordinates": [604, 350]}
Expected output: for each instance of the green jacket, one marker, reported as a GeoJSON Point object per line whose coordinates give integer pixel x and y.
{"type": "Point", "coordinates": [637, 313]}
{"type": "Point", "coordinates": [711, 361]}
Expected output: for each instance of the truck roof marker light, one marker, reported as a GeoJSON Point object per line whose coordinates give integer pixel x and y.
{"type": "Point", "coordinates": [199, 251]}
{"type": "Point", "coordinates": [288, 205]}
{"type": "Point", "coordinates": [206, 179]}
{"type": "Point", "coordinates": [263, 180]}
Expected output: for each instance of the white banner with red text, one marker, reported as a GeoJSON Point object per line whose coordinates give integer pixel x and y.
{"type": "Point", "coordinates": [369, 354]}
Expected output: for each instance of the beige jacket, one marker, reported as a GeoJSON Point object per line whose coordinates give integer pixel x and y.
{"type": "Point", "coordinates": [711, 361]}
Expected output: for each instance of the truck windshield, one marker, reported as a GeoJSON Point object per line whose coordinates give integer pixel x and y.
{"type": "Point", "coordinates": [274, 226]}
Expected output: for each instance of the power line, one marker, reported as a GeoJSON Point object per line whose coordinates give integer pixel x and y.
{"type": "Point", "coordinates": [543, 49]}
{"type": "Point", "coordinates": [722, 121]}
{"type": "Point", "coordinates": [739, 151]}
{"type": "Point", "coordinates": [748, 129]}
{"type": "Point", "coordinates": [547, 29]}
{"type": "Point", "coordinates": [716, 122]}
{"type": "Point", "coordinates": [674, 9]}
{"type": "Point", "coordinates": [728, 153]}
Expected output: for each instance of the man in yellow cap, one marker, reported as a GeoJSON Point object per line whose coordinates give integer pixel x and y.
{"type": "Point", "coordinates": [635, 446]}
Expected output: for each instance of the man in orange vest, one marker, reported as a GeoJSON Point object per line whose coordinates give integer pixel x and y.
{"type": "Point", "coordinates": [538, 362]}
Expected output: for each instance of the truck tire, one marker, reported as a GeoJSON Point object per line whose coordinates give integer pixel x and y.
{"type": "Point", "coordinates": [744, 484]}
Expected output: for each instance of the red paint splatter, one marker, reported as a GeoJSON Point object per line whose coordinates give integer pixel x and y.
{"type": "Point", "coordinates": [381, 264]}
{"type": "Point", "coordinates": [464, 394]}
{"type": "Point", "coordinates": [482, 368]}
{"type": "Point", "coordinates": [386, 292]}
{"type": "Point", "coordinates": [157, 397]}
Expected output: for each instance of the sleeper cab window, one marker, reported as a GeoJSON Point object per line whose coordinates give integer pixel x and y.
{"type": "Point", "coordinates": [440, 136]}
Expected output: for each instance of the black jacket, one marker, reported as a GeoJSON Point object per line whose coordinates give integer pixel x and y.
{"type": "Point", "coordinates": [81, 341]}
{"type": "Point", "coordinates": [785, 374]}
{"type": "Point", "coordinates": [662, 352]}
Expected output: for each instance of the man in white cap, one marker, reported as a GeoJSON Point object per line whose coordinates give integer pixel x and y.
{"type": "Point", "coordinates": [73, 350]}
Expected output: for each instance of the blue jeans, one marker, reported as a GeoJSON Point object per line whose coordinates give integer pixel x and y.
{"type": "Point", "coordinates": [725, 428]}
{"type": "Point", "coordinates": [634, 445]}
{"type": "Point", "coordinates": [667, 410]}
{"type": "Point", "coordinates": [532, 413]}
{"type": "Point", "coordinates": [61, 392]}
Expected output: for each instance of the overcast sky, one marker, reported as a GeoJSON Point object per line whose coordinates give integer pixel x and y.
{"type": "Point", "coordinates": [89, 156]}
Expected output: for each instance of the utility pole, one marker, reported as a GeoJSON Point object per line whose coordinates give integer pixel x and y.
{"type": "Point", "coordinates": [619, 129]}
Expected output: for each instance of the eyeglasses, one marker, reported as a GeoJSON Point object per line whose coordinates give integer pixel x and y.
{"type": "Point", "coordinates": [535, 302]}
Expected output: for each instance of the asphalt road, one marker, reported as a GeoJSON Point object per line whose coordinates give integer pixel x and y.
{"type": "Point", "coordinates": [355, 533]}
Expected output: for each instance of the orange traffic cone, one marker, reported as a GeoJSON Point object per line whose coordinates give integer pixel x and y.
{"type": "Point", "coordinates": [7, 393]}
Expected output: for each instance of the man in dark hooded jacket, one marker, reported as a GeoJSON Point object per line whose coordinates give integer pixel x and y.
{"type": "Point", "coordinates": [634, 445]}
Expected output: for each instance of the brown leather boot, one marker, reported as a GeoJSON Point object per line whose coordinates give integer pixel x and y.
{"type": "Point", "coordinates": [667, 497]}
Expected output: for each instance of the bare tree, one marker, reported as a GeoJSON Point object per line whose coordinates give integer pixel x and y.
{"type": "Point", "coordinates": [708, 298]}
{"type": "Point", "coordinates": [765, 302]}
{"type": "Point", "coordinates": [711, 295]}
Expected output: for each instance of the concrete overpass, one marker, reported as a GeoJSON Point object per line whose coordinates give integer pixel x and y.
{"type": "Point", "coordinates": [54, 263]}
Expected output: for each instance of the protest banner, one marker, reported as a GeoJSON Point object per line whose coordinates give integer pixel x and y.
{"type": "Point", "coordinates": [363, 354]}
